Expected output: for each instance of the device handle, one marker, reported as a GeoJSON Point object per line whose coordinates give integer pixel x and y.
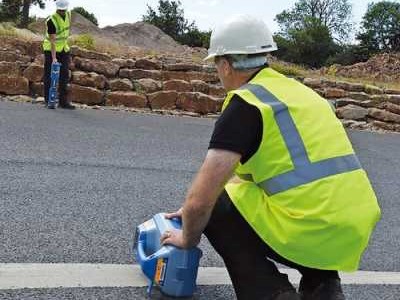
{"type": "Point", "coordinates": [164, 224]}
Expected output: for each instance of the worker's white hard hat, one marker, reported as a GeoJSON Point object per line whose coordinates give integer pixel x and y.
{"type": "Point", "coordinates": [62, 4]}
{"type": "Point", "coordinates": [241, 34]}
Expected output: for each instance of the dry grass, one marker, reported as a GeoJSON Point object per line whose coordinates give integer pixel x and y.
{"type": "Point", "coordinates": [367, 81]}
{"type": "Point", "coordinates": [9, 30]}
{"type": "Point", "coordinates": [299, 71]}
{"type": "Point", "coordinates": [289, 69]}
{"type": "Point", "coordinates": [363, 80]}
{"type": "Point", "coordinates": [331, 74]}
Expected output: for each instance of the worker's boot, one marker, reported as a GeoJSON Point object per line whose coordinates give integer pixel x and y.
{"type": "Point", "coordinates": [66, 105]}
{"type": "Point", "coordinates": [329, 289]}
{"type": "Point", "coordinates": [289, 295]}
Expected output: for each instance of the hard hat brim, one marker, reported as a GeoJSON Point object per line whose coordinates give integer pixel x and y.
{"type": "Point", "coordinates": [62, 7]}
{"type": "Point", "coordinates": [213, 55]}
{"type": "Point", "coordinates": [209, 57]}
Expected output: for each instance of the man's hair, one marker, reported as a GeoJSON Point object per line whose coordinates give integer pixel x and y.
{"type": "Point", "coordinates": [245, 62]}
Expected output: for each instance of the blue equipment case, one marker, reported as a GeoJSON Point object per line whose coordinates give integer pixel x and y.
{"type": "Point", "coordinates": [173, 269]}
{"type": "Point", "coordinates": [53, 91]}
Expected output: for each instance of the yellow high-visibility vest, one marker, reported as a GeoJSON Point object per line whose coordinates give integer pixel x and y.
{"type": "Point", "coordinates": [62, 32]}
{"type": "Point", "coordinates": [304, 191]}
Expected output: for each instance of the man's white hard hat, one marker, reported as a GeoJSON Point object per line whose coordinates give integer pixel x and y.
{"type": "Point", "coordinates": [62, 4]}
{"type": "Point", "coordinates": [241, 34]}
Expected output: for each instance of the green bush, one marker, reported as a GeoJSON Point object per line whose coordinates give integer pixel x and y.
{"type": "Point", "coordinates": [85, 41]}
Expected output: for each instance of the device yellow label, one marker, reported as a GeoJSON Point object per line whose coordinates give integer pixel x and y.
{"type": "Point", "coordinates": [160, 271]}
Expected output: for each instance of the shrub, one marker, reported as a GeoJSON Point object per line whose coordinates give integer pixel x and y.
{"type": "Point", "coordinates": [85, 41]}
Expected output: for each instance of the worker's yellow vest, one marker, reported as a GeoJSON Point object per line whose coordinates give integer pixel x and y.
{"type": "Point", "coordinates": [62, 32]}
{"type": "Point", "coordinates": [304, 191]}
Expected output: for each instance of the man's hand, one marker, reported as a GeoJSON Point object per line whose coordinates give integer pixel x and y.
{"type": "Point", "coordinates": [175, 238]}
{"type": "Point", "coordinates": [55, 60]}
{"type": "Point", "coordinates": [177, 214]}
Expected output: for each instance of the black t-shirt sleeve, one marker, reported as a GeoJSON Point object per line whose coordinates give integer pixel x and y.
{"type": "Point", "coordinates": [51, 29]}
{"type": "Point", "coordinates": [238, 129]}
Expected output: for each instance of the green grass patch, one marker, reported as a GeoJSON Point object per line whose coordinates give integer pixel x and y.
{"type": "Point", "coordinates": [85, 41]}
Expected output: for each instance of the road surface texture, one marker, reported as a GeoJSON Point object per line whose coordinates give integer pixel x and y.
{"type": "Point", "coordinates": [74, 184]}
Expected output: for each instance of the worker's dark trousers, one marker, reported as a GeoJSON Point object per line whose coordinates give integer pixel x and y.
{"type": "Point", "coordinates": [248, 258]}
{"type": "Point", "coordinates": [63, 58]}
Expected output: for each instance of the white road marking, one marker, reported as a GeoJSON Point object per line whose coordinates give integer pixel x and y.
{"type": "Point", "coordinates": [38, 276]}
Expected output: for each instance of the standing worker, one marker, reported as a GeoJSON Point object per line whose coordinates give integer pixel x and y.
{"type": "Point", "coordinates": [56, 49]}
{"type": "Point", "coordinates": [299, 195]}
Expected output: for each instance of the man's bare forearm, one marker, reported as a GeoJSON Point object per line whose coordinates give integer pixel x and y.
{"type": "Point", "coordinates": [53, 47]}
{"type": "Point", "coordinates": [210, 181]}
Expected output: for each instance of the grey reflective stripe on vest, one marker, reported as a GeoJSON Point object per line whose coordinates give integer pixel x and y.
{"type": "Point", "coordinates": [304, 170]}
{"type": "Point", "coordinates": [63, 30]}
{"type": "Point", "coordinates": [310, 173]}
{"type": "Point", "coordinates": [58, 31]}
{"type": "Point", "coordinates": [286, 125]}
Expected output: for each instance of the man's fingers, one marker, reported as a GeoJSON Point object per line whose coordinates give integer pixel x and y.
{"type": "Point", "coordinates": [167, 240]}
{"type": "Point", "coordinates": [171, 215]}
{"type": "Point", "coordinates": [166, 235]}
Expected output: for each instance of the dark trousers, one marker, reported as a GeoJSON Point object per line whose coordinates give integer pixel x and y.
{"type": "Point", "coordinates": [64, 59]}
{"type": "Point", "coordinates": [248, 258]}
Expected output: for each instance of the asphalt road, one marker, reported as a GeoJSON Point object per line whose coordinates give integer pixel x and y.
{"type": "Point", "coordinates": [74, 184]}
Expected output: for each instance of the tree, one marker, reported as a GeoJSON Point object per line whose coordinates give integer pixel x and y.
{"type": "Point", "coordinates": [9, 10]}
{"type": "Point", "coordinates": [335, 15]}
{"type": "Point", "coordinates": [169, 17]}
{"type": "Point", "coordinates": [381, 27]}
{"type": "Point", "coordinates": [196, 38]}
{"type": "Point", "coordinates": [18, 10]}
{"type": "Point", "coordinates": [311, 45]}
{"type": "Point", "coordinates": [83, 12]}
{"type": "Point", "coordinates": [349, 55]}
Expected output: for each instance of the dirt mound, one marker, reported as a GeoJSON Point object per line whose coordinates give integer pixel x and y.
{"type": "Point", "coordinates": [142, 35]}
{"type": "Point", "coordinates": [383, 67]}
{"type": "Point", "coordinates": [81, 25]}
{"type": "Point", "coordinates": [139, 34]}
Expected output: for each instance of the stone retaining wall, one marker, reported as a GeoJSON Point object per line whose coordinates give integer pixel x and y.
{"type": "Point", "coordinates": [361, 106]}
{"type": "Point", "coordinates": [99, 79]}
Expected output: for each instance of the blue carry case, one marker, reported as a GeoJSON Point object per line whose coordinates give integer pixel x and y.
{"type": "Point", "coordinates": [54, 79]}
{"type": "Point", "coordinates": [172, 269]}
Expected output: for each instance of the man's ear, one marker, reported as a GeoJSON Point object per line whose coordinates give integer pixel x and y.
{"type": "Point", "coordinates": [226, 67]}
